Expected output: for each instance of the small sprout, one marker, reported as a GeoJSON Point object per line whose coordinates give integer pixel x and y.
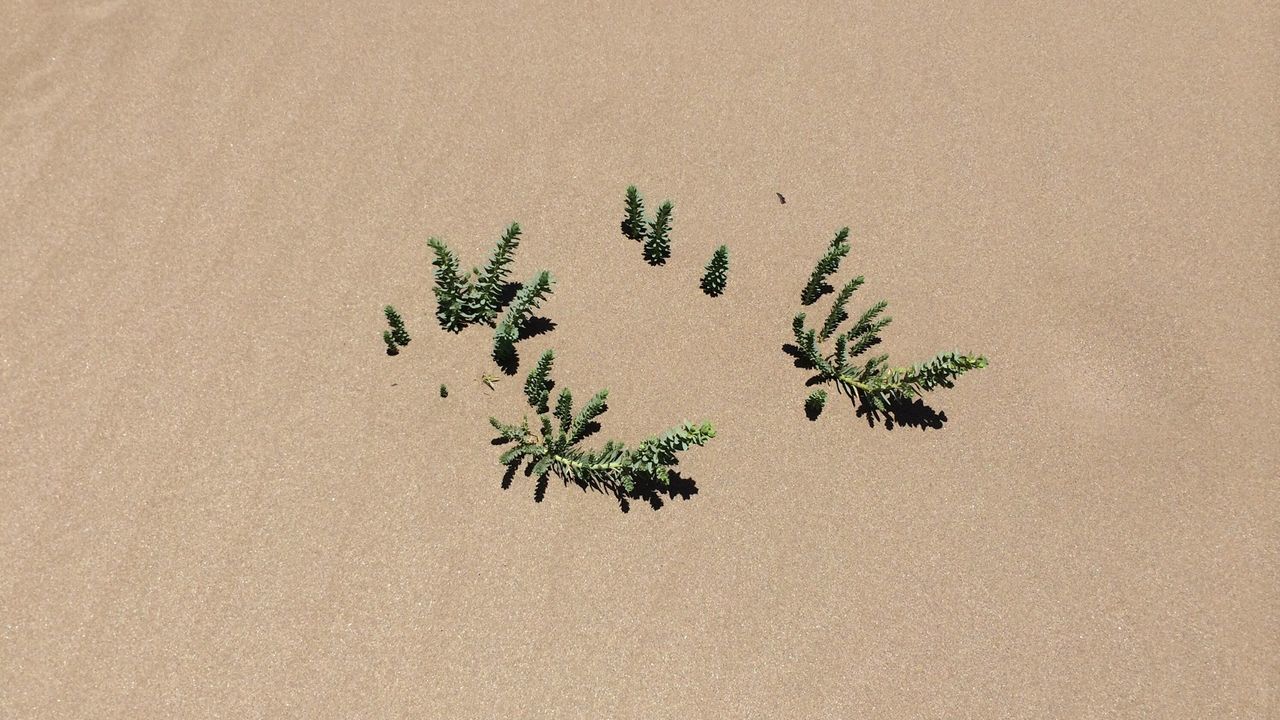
{"type": "Point", "coordinates": [717, 272]}
{"type": "Point", "coordinates": [398, 333]}
{"type": "Point", "coordinates": [444, 390]}
{"type": "Point", "coordinates": [633, 225]}
{"type": "Point", "coordinates": [657, 246]}
{"type": "Point", "coordinates": [814, 403]}
{"type": "Point", "coordinates": [391, 343]}
{"type": "Point", "coordinates": [489, 379]}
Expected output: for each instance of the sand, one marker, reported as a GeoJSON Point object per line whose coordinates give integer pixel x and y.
{"type": "Point", "coordinates": [221, 499]}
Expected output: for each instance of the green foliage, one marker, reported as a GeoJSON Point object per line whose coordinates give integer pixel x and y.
{"type": "Point", "coordinates": [398, 333]}
{"type": "Point", "coordinates": [814, 404]}
{"type": "Point", "coordinates": [838, 313]}
{"type": "Point", "coordinates": [464, 299]}
{"type": "Point", "coordinates": [717, 272]}
{"type": "Point", "coordinates": [657, 246]}
{"type": "Point", "coordinates": [826, 267]}
{"type": "Point", "coordinates": [537, 386]}
{"type": "Point", "coordinates": [633, 225]}
{"type": "Point", "coordinates": [874, 385]}
{"type": "Point", "coordinates": [486, 298]}
{"type": "Point", "coordinates": [391, 343]}
{"type": "Point", "coordinates": [518, 313]}
{"type": "Point", "coordinates": [444, 390]}
{"type": "Point", "coordinates": [554, 449]}
{"type": "Point", "coordinates": [451, 287]}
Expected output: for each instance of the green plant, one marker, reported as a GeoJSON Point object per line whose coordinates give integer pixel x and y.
{"type": "Point", "coordinates": [633, 225]}
{"type": "Point", "coordinates": [717, 272]}
{"type": "Point", "coordinates": [874, 385]}
{"type": "Point", "coordinates": [814, 404]}
{"type": "Point", "coordinates": [391, 343]}
{"type": "Point", "coordinates": [444, 390]}
{"type": "Point", "coordinates": [398, 333]}
{"type": "Point", "coordinates": [450, 287]}
{"type": "Point", "coordinates": [464, 299]}
{"type": "Point", "coordinates": [518, 314]}
{"type": "Point", "coordinates": [554, 448]}
{"type": "Point", "coordinates": [537, 386]}
{"type": "Point", "coordinates": [657, 245]}
{"type": "Point", "coordinates": [827, 266]}
{"type": "Point", "coordinates": [486, 296]}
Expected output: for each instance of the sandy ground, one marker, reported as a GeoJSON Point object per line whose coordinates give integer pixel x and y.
{"type": "Point", "coordinates": [220, 499]}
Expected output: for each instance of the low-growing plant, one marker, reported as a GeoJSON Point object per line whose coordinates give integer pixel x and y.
{"type": "Point", "coordinates": [554, 446]}
{"type": "Point", "coordinates": [814, 404]}
{"type": "Point", "coordinates": [398, 332]}
{"type": "Point", "coordinates": [876, 387]}
{"type": "Point", "coordinates": [464, 299]}
{"type": "Point", "coordinates": [444, 390]}
{"type": "Point", "coordinates": [633, 225]}
{"type": "Point", "coordinates": [518, 315]}
{"type": "Point", "coordinates": [657, 243]}
{"type": "Point", "coordinates": [717, 272]}
{"type": "Point", "coordinates": [827, 266]}
{"type": "Point", "coordinates": [392, 349]}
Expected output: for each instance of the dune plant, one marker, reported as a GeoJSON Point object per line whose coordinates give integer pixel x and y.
{"type": "Point", "coordinates": [444, 390]}
{"type": "Point", "coordinates": [827, 266]}
{"type": "Point", "coordinates": [874, 385]}
{"type": "Point", "coordinates": [657, 244]}
{"type": "Point", "coordinates": [507, 333]}
{"type": "Point", "coordinates": [814, 404]}
{"type": "Point", "coordinates": [392, 349]}
{"type": "Point", "coordinates": [450, 287]}
{"type": "Point", "coordinates": [554, 447]}
{"type": "Point", "coordinates": [537, 386]}
{"type": "Point", "coordinates": [717, 272]}
{"type": "Point", "coordinates": [464, 299]}
{"type": "Point", "coordinates": [633, 225]}
{"type": "Point", "coordinates": [486, 296]}
{"type": "Point", "coordinates": [398, 332]}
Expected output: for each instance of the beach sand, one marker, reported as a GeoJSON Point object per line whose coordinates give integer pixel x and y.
{"type": "Point", "coordinates": [222, 499]}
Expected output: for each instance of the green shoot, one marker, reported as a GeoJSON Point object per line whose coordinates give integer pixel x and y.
{"type": "Point", "coordinates": [826, 266]}
{"type": "Point", "coordinates": [633, 225]}
{"type": "Point", "coordinates": [717, 272]}
{"type": "Point", "coordinates": [657, 246]}
{"type": "Point", "coordinates": [398, 332]}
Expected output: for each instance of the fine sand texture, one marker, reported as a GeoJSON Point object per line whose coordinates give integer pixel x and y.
{"type": "Point", "coordinates": [219, 498]}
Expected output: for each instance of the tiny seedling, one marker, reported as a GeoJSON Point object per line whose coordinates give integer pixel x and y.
{"type": "Point", "coordinates": [814, 404]}
{"type": "Point", "coordinates": [717, 272]}
{"type": "Point", "coordinates": [391, 343]}
{"type": "Point", "coordinates": [827, 266]}
{"type": "Point", "coordinates": [875, 387]}
{"type": "Point", "coordinates": [444, 390]}
{"type": "Point", "coordinates": [554, 448]}
{"type": "Point", "coordinates": [633, 225]}
{"type": "Point", "coordinates": [657, 244]}
{"type": "Point", "coordinates": [398, 332]}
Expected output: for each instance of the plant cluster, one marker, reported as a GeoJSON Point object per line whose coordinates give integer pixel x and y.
{"type": "Point", "coordinates": [477, 297]}
{"type": "Point", "coordinates": [655, 235]}
{"type": "Point", "coordinates": [554, 447]}
{"type": "Point", "coordinates": [874, 385]}
{"type": "Point", "coordinates": [716, 274]}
